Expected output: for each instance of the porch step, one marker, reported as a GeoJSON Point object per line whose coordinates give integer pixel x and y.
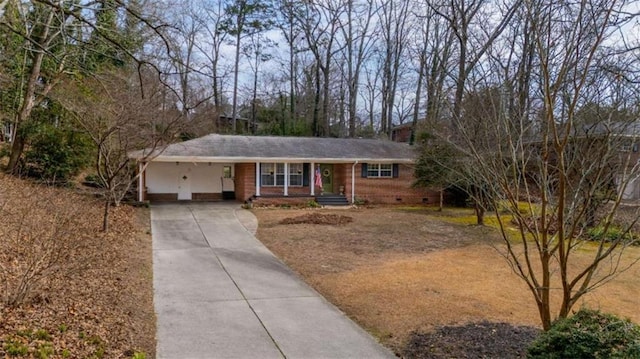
{"type": "Point", "coordinates": [332, 200]}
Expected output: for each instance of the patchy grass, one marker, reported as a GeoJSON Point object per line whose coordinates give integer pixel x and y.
{"type": "Point", "coordinates": [400, 270]}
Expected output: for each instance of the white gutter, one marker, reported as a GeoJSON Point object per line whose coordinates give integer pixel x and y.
{"type": "Point", "coordinates": [213, 159]}
{"type": "Point", "coordinates": [353, 182]}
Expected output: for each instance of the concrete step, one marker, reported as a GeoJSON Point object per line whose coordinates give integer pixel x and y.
{"type": "Point", "coordinates": [332, 200]}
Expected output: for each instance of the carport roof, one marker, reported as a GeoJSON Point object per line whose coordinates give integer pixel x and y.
{"type": "Point", "coordinates": [233, 148]}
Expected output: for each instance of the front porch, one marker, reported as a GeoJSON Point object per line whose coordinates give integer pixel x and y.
{"type": "Point", "coordinates": [298, 181]}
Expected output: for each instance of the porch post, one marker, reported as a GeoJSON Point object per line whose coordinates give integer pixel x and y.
{"type": "Point", "coordinates": [353, 182]}
{"type": "Point", "coordinates": [258, 179]}
{"type": "Point", "coordinates": [312, 178]}
{"type": "Point", "coordinates": [286, 179]}
{"type": "Point", "coordinates": [140, 182]}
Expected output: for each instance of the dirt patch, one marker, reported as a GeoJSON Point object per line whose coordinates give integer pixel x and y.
{"type": "Point", "coordinates": [318, 218]}
{"type": "Point", "coordinates": [473, 340]}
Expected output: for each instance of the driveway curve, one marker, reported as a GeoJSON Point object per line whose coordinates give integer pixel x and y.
{"type": "Point", "coordinates": [220, 293]}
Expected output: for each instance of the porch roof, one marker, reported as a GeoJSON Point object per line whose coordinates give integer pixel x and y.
{"type": "Point", "coordinates": [233, 148]}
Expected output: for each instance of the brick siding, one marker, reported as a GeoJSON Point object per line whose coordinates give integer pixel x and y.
{"type": "Point", "coordinates": [373, 190]}
{"type": "Point", "coordinates": [245, 181]}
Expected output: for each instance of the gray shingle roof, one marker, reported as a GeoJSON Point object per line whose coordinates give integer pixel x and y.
{"type": "Point", "coordinates": [217, 148]}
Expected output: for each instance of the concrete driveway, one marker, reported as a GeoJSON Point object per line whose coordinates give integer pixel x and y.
{"type": "Point", "coordinates": [219, 293]}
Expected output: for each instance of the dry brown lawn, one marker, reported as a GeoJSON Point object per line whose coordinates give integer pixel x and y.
{"type": "Point", "coordinates": [398, 270]}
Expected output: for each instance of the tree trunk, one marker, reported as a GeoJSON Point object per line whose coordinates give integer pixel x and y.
{"type": "Point", "coordinates": [479, 213]}
{"type": "Point", "coordinates": [105, 215]}
{"type": "Point", "coordinates": [234, 109]}
{"type": "Point", "coordinates": [17, 147]}
{"type": "Point", "coordinates": [254, 98]}
{"type": "Point", "coordinates": [316, 103]}
{"type": "Point", "coordinates": [416, 108]}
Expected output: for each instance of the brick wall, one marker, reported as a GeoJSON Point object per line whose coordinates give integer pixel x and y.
{"type": "Point", "coordinates": [279, 190]}
{"type": "Point", "coordinates": [386, 190]}
{"type": "Point", "coordinates": [161, 197]}
{"type": "Point", "coordinates": [245, 180]}
{"type": "Point", "coordinates": [206, 196]}
{"type": "Point", "coordinates": [374, 190]}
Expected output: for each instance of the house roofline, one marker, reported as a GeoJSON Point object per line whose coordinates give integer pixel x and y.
{"type": "Point", "coordinates": [200, 159]}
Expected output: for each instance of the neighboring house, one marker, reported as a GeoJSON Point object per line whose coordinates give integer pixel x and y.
{"type": "Point", "coordinates": [617, 142]}
{"type": "Point", "coordinates": [224, 124]}
{"type": "Point", "coordinates": [264, 168]}
{"type": "Point", "coordinates": [402, 133]}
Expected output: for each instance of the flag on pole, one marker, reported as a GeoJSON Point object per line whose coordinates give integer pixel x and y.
{"type": "Point", "coordinates": [318, 178]}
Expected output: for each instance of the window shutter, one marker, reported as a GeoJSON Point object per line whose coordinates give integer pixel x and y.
{"type": "Point", "coordinates": [396, 170]}
{"type": "Point", "coordinates": [364, 170]}
{"type": "Point", "coordinates": [305, 174]}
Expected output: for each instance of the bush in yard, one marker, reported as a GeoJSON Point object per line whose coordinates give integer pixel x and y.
{"type": "Point", "coordinates": [588, 334]}
{"type": "Point", "coordinates": [57, 154]}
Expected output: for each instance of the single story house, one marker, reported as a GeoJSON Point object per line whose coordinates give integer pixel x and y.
{"type": "Point", "coordinates": [259, 168]}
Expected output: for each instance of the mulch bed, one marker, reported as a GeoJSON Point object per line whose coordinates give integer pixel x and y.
{"type": "Point", "coordinates": [318, 218]}
{"type": "Point", "coordinates": [474, 340]}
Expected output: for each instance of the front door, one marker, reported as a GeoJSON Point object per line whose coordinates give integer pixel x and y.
{"type": "Point", "coordinates": [184, 186]}
{"type": "Point", "coordinates": [326, 171]}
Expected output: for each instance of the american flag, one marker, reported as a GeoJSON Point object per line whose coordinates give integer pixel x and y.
{"type": "Point", "coordinates": [318, 177]}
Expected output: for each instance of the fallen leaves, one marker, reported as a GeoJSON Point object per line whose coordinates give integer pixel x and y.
{"type": "Point", "coordinates": [94, 296]}
{"type": "Point", "coordinates": [318, 218]}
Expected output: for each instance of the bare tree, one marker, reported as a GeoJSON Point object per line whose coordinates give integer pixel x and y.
{"type": "Point", "coordinates": [257, 51]}
{"type": "Point", "coordinates": [433, 49]}
{"type": "Point", "coordinates": [475, 33]}
{"type": "Point", "coordinates": [212, 20]}
{"type": "Point", "coordinates": [184, 54]}
{"type": "Point", "coordinates": [572, 172]}
{"type": "Point", "coordinates": [394, 28]}
{"type": "Point", "coordinates": [356, 32]}
{"type": "Point", "coordinates": [120, 119]}
{"type": "Point", "coordinates": [320, 23]}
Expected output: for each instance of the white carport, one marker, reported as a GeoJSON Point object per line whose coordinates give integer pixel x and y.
{"type": "Point", "coordinates": [188, 180]}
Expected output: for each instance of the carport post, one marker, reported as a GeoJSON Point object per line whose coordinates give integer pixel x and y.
{"type": "Point", "coordinates": [258, 179]}
{"type": "Point", "coordinates": [140, 182]}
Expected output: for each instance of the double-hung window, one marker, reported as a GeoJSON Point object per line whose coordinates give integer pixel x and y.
{"type": "Point", "coordinates": [295, 174]}
{"type": "Point", "coordinates": [272, 174]}
{"type": "Point", "coordinates": [380, 170]}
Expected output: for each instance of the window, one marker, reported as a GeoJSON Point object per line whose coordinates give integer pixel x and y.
{"type": "Point", "coordinates": [295, 174]}
{"type": "Point", "coordinates": [379, 170]}
{"type": "Point", "coordinates": [226, 172]}
{"type": "Point", "coordinates": [272, 174]}
{"type": "Point", "coordinates": [628, 146]}
{"type": "Point", "coordinates": [267, 174]}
